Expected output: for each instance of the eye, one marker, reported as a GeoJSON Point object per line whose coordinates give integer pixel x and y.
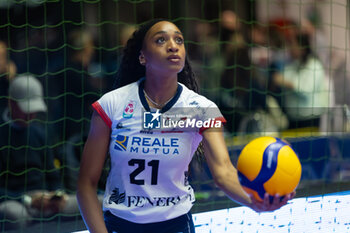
{"type": "Point", "coordinates": [160, 40]}
{"type": "Point", "coordinates": [179, 40]}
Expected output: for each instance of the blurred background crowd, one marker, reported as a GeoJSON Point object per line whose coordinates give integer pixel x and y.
{"type": "Point", "coordinates": [270, 66]}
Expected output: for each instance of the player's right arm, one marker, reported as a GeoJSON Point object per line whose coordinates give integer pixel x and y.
{"type": "Point", "coordinates": [92, 162]}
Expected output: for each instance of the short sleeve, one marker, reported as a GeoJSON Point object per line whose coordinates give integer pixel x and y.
{"type": "Point", "coordinates": [104, 108]}
{"type": "Point", "coordinates": [212, 116]}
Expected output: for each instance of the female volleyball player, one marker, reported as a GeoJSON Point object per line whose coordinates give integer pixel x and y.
{"type": "Point", "coordinates": [147, 188]}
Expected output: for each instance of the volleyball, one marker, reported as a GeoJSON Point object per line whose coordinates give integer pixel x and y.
{"type": "Point", "coordinates": [268, 164]}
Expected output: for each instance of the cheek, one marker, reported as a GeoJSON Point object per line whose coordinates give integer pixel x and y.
{"type": "Point", "coordinates": [151, 54]}
{"type": "Point", "coordinates": [183, 63]}
{"type": "Point", "coordinates": [152, 58]}
{"type": "Point", "coordinates": [184, 57]}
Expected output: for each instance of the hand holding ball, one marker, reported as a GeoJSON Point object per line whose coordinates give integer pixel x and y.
{"type": "Point", "coordinates": [268, 164]}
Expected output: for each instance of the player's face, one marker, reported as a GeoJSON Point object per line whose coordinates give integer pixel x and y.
{"type": "Point", "coordinates": [163, 48]}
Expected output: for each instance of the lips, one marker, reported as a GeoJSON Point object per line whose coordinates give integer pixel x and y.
{"type": "Point", "coordinates": [174, 58]}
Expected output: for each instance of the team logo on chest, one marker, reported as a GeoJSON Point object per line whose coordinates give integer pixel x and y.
{"type": "Point", "coordinates": [147, 145]}
{"type": "Point", "coordinates": [121, 143]}
{"type": "Point", "coordinates": [129, 109]}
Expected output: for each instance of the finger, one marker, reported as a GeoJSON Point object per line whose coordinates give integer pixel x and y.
{"type": "Point", "coordinates": [293, 194]}
{"type": "Point", "coordinates": [255, 202]}
{"type": "Point", "coordinates": [286, 199]}
{"type": "Point", "coordinates": [276, 200]}
{"type": "Point", "coordinates": [257, 205]}
{"type": "Point", "coordinates": [266, 202]}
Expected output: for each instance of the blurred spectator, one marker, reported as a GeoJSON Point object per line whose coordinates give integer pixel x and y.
{"type": "Point", "coordinates": [30, 185]}
{"type": "Point", "coordinates": [245, 102]}
{"type": "Point", "coordinates": [236, 71]}
{"type": "Point", "coordinates": [111, 63]}
{"type": "Point", "coordinates": [76, 85]}
{"type": "Point", "coordinates": [125, 33]}
{"type": "Point", "coordinates": [26, 161]}
{"type": "Point", "coordinates": [304, 85]}
{"type": "Point", "coordinates": [244, 89]}
{"type": "Point", "coordinates": [318, 42]}
{"type": "Point", "coordinates": [279, 31]}
{"type": "Point", "coordinates": [29, 52]}
{"type": "Point", "coordinates": [333, 60]}
{"type": "Point", "coordinates": [72, 91]}
{"type": "Point", "coordinates": [341, 78]}
{"type": "Point", "coordinates": [232, 34]}
{"type": "Point", "coordinates": [7, 73]}
{"type": "Point", "coordinates": [247, 106]}
{"type": "Point", "coordinates": [335, 63]}
{"type": "Point", "coordinates": [206, 59]}
{"type": "Point", "coordinates": [259, 51]}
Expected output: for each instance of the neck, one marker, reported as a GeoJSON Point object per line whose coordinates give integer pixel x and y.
{"type": "Point", "coordinates": [160, 88]}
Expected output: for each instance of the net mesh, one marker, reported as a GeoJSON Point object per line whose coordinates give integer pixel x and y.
{"type": "Point", "coordinates": [273, 67]}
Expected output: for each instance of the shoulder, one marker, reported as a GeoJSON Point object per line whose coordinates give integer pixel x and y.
{"type": "Point", "coordinates": [193, 99]}
{"type": "Point", "coordinates": [112, 104]}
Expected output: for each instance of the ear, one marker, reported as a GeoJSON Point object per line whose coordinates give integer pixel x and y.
{"type": "Point", "coordinates": [142, 59]}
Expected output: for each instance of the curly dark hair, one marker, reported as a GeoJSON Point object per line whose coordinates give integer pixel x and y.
{"type": "Point", "coordinates": [130, 70]}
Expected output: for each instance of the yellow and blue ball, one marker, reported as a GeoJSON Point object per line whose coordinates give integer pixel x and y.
{"type": "Point", "coordinates": [268, 164]}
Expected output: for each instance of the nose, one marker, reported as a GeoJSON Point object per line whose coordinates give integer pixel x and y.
{"type": "Point", "coordinates": [173, 46]}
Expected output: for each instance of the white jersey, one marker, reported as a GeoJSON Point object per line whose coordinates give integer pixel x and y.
{"type": "Point", "coordinates": [148, 180]}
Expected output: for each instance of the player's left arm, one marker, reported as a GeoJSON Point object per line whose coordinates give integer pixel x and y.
{"type": "Point", "coordinates": [225, 174]}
